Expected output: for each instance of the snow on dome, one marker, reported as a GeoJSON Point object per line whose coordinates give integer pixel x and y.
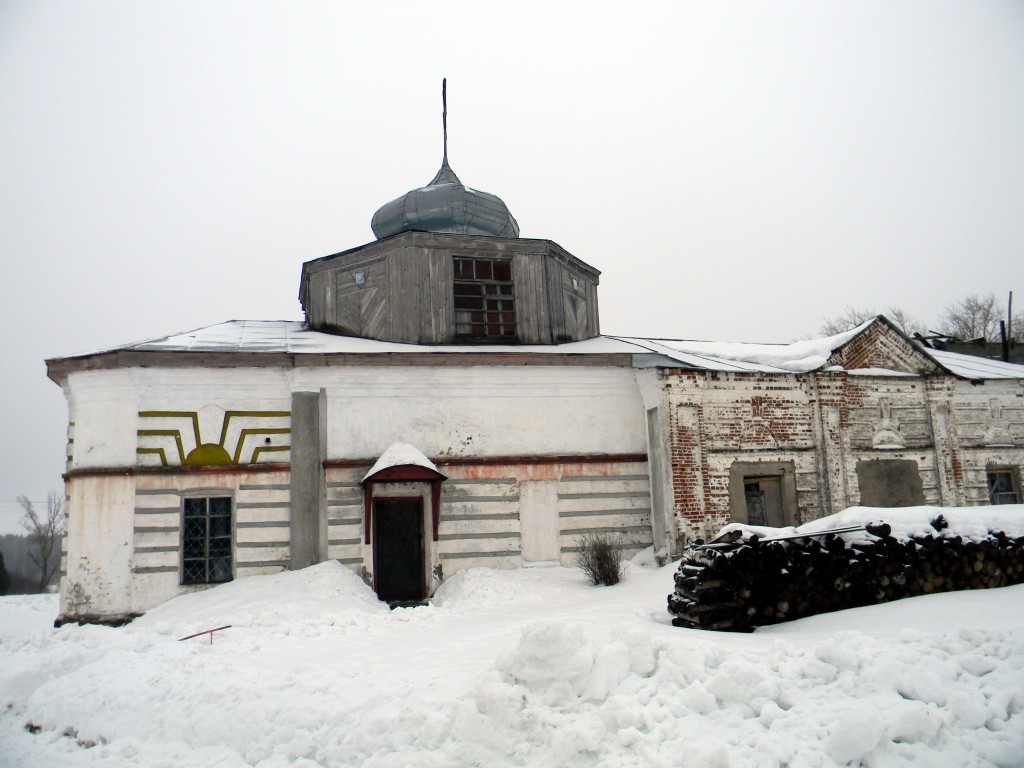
{"type": "Point", "coordinates": [400, 455]}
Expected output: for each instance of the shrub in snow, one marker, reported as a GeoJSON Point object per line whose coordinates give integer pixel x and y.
{"type": "Point", "coordinates": [599, 559]}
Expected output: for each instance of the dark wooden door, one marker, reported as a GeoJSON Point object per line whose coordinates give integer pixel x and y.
{"type": "Point", "coordinates": [764, 501]}
{"type": "Point", "coordinates": [398, 549]}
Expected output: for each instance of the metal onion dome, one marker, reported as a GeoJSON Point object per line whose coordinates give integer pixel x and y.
{"type": "Point", "coordinates": [445, 205]}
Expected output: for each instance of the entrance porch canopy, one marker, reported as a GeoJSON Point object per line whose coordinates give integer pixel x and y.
{"type": "Point", "coordinates": [403, 463]}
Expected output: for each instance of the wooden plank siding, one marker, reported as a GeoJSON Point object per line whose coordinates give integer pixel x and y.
{"type": "Point", "coordinates": [407, 293]}
{"type": "Point", "coordinates": [533, 319]}
{"type": "Point", "coordinates": [437, 294]}
{"type": "Point", "coordinates": [360, 310]}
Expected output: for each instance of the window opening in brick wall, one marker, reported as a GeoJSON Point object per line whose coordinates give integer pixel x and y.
{"type": "Point", "coordinates": [763, 493]}
{"type": "Point", "coordinates": [890, 483]}
{"type": "Point", "coordinates": [764, 500]}
{"type": "Point", "coordinates": [1001, 487]}
{"type": "Point", "coordinates": [206, 540]}
{"type": "Point", "coordinates": [484, 300]}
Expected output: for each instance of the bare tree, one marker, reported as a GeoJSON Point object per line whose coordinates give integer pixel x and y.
{"type": "Point", "coordinates": [903, 320]}
{"type": "Point", "coordinates": [5, 579]}
{"type": "Point", "coordinates": [973, 317]}
{"type": "Point", "coordinates": [851, 317]}
{"type": "Point", "coordinates": [1017, 328]}
{"type": "Point", "coordinates": [44, 534]}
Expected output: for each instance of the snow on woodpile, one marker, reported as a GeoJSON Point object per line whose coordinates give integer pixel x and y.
{"type": "Point", "coordinates": [754, 576]}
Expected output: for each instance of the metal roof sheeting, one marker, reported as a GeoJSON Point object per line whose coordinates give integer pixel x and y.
{"type": "Point", "coordinates": [971, 367]}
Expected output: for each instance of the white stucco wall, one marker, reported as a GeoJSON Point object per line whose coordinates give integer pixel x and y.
{"type": "Point", "coordinates": [120, 558]}
{"type": "Point", "coordinates": [104, 409]}
{"type": "Point", "coordinates": [444, 411]}
{"type": "Point", "coordinates": [480, 410]}
{"type": "Point", "coordinates": [98, 581]}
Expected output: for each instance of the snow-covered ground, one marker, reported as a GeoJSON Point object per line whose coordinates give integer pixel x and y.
{"type": "Point", "coordinates": [528, 667]}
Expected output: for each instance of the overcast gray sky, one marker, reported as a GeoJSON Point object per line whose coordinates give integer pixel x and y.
{"type": "Point", "coordinates": [738, 171]}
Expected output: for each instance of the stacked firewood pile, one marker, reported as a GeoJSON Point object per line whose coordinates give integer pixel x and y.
{"type": "Point", "coordinates": [736, 585]}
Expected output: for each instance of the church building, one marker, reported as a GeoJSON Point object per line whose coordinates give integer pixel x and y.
{"type": "Point", "coordinates": [449, 402]}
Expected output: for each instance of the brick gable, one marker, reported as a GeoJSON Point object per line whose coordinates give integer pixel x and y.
{"type": "Point", "coordinates": [881, 345]}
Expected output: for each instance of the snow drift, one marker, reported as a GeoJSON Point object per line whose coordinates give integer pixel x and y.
{"type": "Point", "coordinates": [532, 667]}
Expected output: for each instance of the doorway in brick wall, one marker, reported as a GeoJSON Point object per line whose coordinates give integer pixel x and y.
{"type": "Point", "coordinates": [763, 493]}
{"type": "Point", "coordinates": [763, 496]}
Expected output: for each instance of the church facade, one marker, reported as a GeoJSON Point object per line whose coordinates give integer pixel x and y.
{"type": "Point", "coordinates": [449, 402]}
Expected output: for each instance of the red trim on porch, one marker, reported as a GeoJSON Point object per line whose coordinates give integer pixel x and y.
{"type": "Point", "coordinates": [367, 509]}
{"type": "Point", "coordinates": [403, 473]}
{"type": "Point", "coordinates": [435, 507]}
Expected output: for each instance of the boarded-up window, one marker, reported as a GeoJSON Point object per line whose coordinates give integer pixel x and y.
{"type": "Point", "coordinates": [484, 300]}
{"type": "Point", "coordinates": [889, 483]}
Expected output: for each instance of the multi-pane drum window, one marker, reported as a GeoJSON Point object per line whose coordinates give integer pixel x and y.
{"type": "Point", "coordinates": [484, 300]}
{"type": "Point", "coordinates": [206, 540]}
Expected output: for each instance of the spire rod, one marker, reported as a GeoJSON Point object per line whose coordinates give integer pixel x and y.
{"type": "Point", "coordinates": [445, 175]}
{"type": "Point", "coordinates": [444, 115]}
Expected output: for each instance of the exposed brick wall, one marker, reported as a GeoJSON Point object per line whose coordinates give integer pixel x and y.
{"type": "Point", "coordinates": [689, 472]}
{"type": "Point", "coordinates": [879, 346]}
{"type": "Point", "coordinates": [716, 418]}
{"type": "Point", "coordinates": [987, 433]}
{"type": "Point", "coordinates": [826, 422]}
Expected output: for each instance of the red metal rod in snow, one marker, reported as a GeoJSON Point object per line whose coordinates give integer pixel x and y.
{"type": "Point", "coordinates": [205, 632]}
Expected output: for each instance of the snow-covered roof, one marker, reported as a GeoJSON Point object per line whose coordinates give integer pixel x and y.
{"type": "Point", "coordinates": [292, 337]}
{"type": "Point", "coordinates": [400, 455]}
{"type": "Point", "coordinates": [971, 367]}
{"type": "Point", "coordinates": [796, 357]}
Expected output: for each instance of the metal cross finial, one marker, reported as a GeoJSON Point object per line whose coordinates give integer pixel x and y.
{"type": "Point", "coordinates": [444, 115]}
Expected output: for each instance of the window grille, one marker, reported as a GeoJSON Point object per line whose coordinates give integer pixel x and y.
{"type": "Point", "coordinates": [206, 540]}
{"type": "Point", "coordinates": [484, 300]}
